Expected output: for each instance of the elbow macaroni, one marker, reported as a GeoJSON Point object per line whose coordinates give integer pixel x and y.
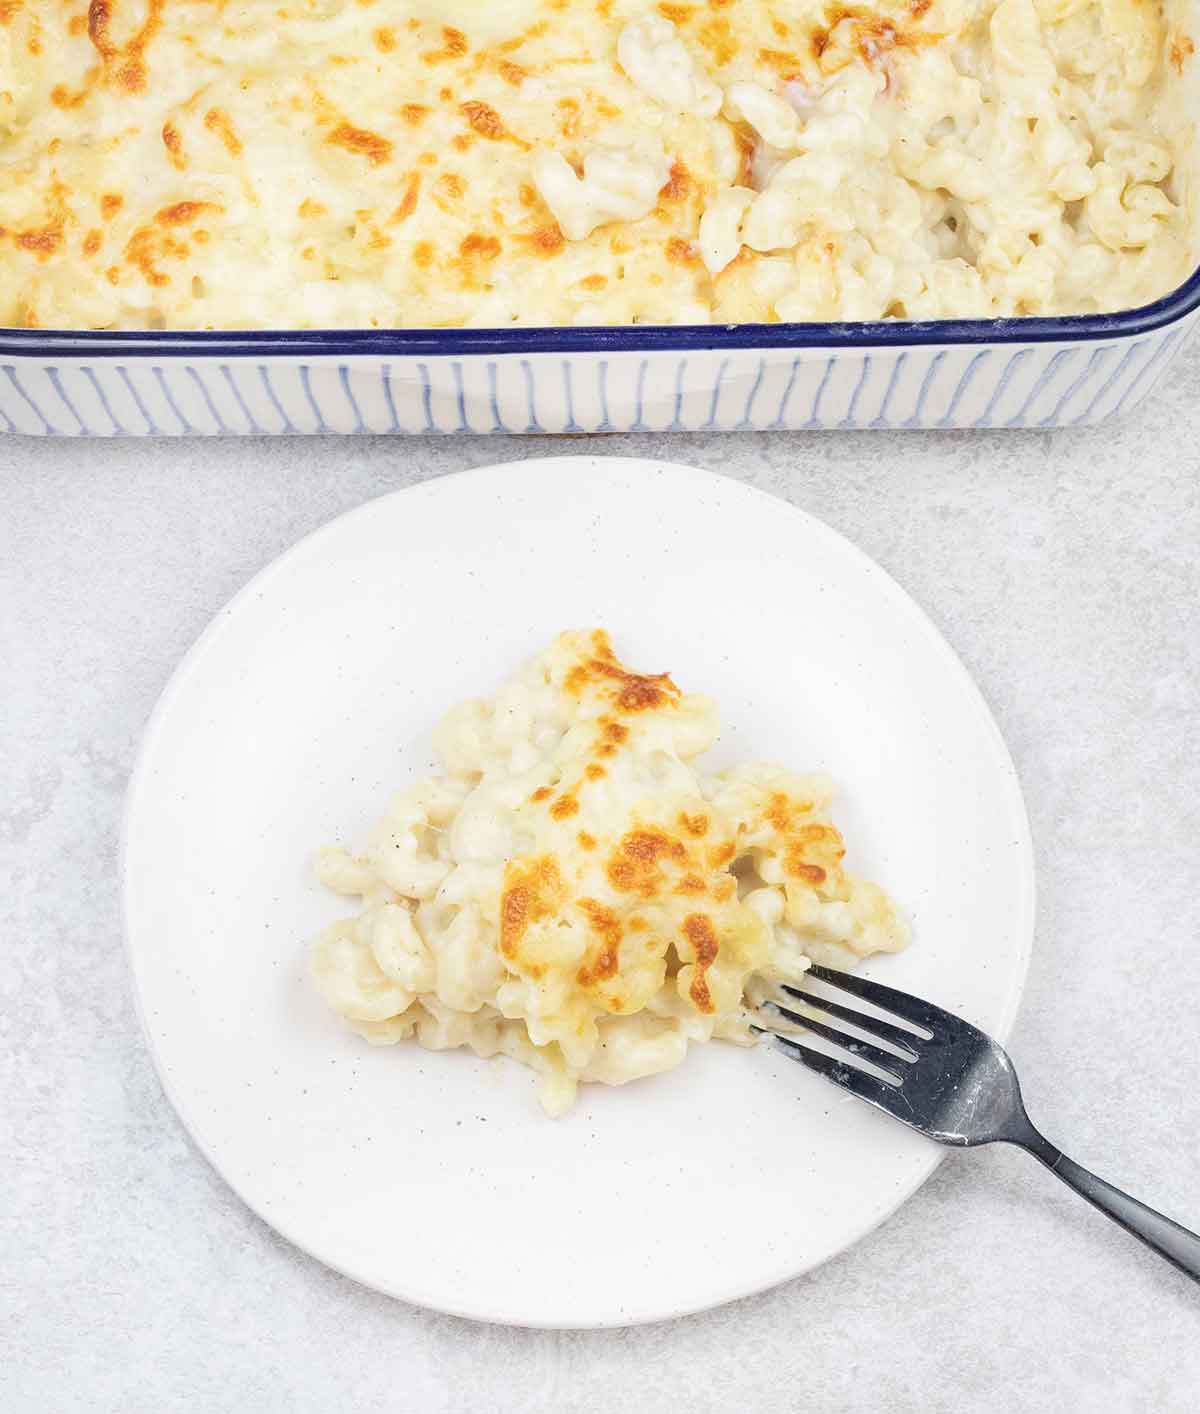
{"type": "Point", "coordinates": [576, 894]}
{"type": "Point", "coordinates": [168, 164]}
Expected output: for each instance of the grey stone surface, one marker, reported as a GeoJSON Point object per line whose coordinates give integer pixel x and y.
{"type": "Point", "coordinates": [1064, 568]}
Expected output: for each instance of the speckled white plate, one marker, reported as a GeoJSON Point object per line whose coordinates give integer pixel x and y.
{"type": "Point", "coordinates": [436, 1178]}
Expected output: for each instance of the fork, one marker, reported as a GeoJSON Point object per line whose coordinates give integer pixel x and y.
{"type": "Point", "coordinates": [944, 1078]}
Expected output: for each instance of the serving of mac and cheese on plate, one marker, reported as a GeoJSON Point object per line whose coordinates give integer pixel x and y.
{"type": "Point", "coordinates": [171, 164]}
{"type": "Point", "coordinates": [471, 909]}
{"type": "Point", "coordinates": [576, 893]}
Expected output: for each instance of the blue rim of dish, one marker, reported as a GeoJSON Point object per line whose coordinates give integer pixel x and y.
{"type": "Point", "coordinates": [632, 338]}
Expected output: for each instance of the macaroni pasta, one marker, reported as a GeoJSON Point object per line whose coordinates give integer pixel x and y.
{"type": "Point", "coordinates": [576, 894]}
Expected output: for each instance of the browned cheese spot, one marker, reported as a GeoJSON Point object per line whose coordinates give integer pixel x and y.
{"type": "Point", "coordinates": [547, 240]}
{"type": "Point", "coordinates": [633, 692]}
{"type": "Point", "coordinates": [699, 931]}
{"type": "Point", "coordinates": [871, 34]}
{"type": "Point", "coordinates": [786, 65]}
{"type": "Point", "coordinates": [779, 811]}
{"type": "Point", "coordinates": [173, 142]}
{"type": "Point", "coordinates": [487, 123]}
{"type": "Point", "coordinates": [721, 855]}
{"type": "Point", "coordinates": [604, 961]}
{"type": "Point", "coordinates": [99, 17]}
{"type": "Point", "coordinates": [218, 122]}
{"type": "Point", "coordinates": [796, 861]}
{"type": "Point", "coordinates": [678, 184]}
{"type": "Point", "coordinates": [681, 252]}
{"type": "Point", "coordinates": [717, 38]}
{"type": "Point", "coordinates": [124, 64]}
{"type": "Point", "coordinates": [183, 213]}
{"type": "Point", "coordinates": [454, 46]}
{"type": "Point", "coordinates": [377, 150]}
{"type": "Point", "coordinates": [408, 202]}
{"type": "Point", "coordinates": [148, 245]}
{"type": "Point", "coordinates": [62, 97]}
{"type": "Point", "coordinates": [533, 890]}
{"type": "Point", "coordinates": [42, 241]}
{"type": "Point", "coordinates": [564, 807]}
{"type": "Point", "coordinates": [478, 246]}
{"type": "Point", "coordinates": [568, 116]}
{"type": "Point", "coordinates": [635, 865]}
{"type": "Point", "coordinates": [143, 250]}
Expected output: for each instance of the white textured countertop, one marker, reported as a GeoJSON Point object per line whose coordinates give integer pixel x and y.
{"type": "Point", "coordinates": [1063, 567]}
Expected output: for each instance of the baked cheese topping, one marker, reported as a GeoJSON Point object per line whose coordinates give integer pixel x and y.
{"type": "Point", "coordinates": [200, 164]}
{"type": "Point", "coordinates": [577, 894]}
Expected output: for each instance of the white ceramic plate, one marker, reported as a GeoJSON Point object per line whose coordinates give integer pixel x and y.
{"type": "Point", "coordinates": [436, 1177]}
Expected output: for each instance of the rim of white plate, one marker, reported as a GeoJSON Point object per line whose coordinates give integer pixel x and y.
{"type": "Point", "coordinates": [1026, 904]}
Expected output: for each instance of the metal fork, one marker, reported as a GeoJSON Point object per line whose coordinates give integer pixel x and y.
{"type": "Point", "coordinates": [950, 1082]}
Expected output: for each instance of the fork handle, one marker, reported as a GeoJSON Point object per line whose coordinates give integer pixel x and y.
{"type": "Point", "coordinates": [1179, 1246]}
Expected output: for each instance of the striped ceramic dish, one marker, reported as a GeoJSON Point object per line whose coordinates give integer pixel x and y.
{"type": "Point", "coordinates": [994, 373]}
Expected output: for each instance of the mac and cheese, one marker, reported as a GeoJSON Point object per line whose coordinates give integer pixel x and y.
{"type": "Point", "coordinates": [577, 894]}
{"type": "Point", "coordinates": [389, 163]}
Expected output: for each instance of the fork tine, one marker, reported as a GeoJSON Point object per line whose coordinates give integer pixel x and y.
{"type": "Point", "coordinates": [901, 1004]}
{"type": "Point", "coordinates": [883, 1030]}
{"type": "Point", "coordinates": [863, 1050]}
{"type": "Point", "coordinates": [849, 1077]}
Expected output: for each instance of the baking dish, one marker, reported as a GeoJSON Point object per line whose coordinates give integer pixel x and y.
{"type": "Point", "coordinates": [1054, 372]}
{"type": "Point", "coordinates": [1028, 372]}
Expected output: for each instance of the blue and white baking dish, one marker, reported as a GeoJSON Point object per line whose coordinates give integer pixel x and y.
{"type": "Point", "coordinates": [974, 373]}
